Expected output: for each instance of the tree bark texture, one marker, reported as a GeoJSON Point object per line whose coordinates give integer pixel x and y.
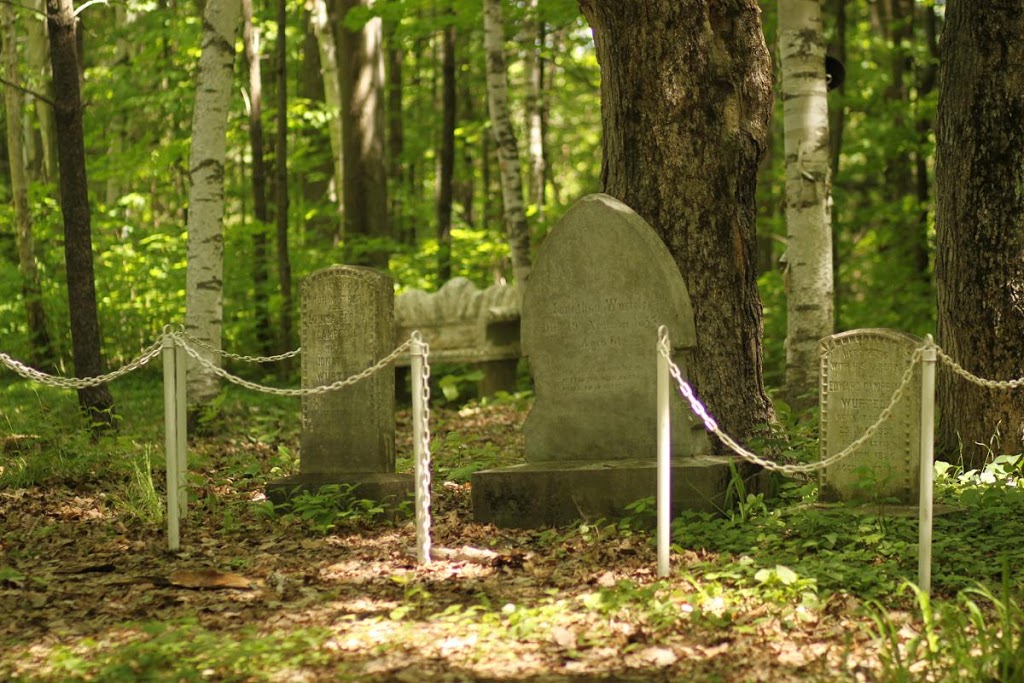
{"type": "Point", "coordinates": [37, 57]}
{"type": "Point", "coordinates": [686, 100]}
{"type": "Point", "coordinates": [40, 349]}
{"type": "Point", "coordinates": [514, 213]}
{"type": "Point", "coordinates": [395, 57]}
{"type": "Point", "coordinates": [74, 200]}
{"type": "Point", "coordinates": [328, 49]}
{"type": "Point", "coordinates": [260, 274]}
{"type": "Point", "coordinates": [446, 155]}
{"type": "Point", "coordinates": [204, 274]}
{"type": "Point", "coordinates": [361, 71]}
{"type": "Point", "coordinates": [535, 107]}
{"type": "Point", "coordinates": [284, 263]}
{"type": "Point", "coordinates": [979, 268]}
{"type": "Point", "coordinates": [809, 302]}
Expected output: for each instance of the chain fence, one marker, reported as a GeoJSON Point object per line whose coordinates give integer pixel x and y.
{"type": "Point", "coordinates": [310, 391]}
{"type": "Point", "coordinates": [210, 348]}
{"type": "Point", "coordinates": [701, 412]}
{"type": "Point", "coordinates": [30, 373]}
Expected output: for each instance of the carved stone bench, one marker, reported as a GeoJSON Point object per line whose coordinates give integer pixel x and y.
{"type": "Point", "coordinates": [464, 324]}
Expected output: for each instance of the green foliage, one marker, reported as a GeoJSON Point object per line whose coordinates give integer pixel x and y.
{"type": "Point", "coordinates": [187, 651]}
{"type": "Point", "coordinates": [868, 551]}
{"type": "Point", "coordinates": [978, 636]}
{"type": "Point", "coordinates": [331, 506]}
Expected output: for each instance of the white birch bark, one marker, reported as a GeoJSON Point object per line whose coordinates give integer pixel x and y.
{"type": "Point", "coordinates": [809, 299]}
{"type": "Point", "coordinates": [508, 152]}
{"type": "Point", "coordinates": [204, 277]}
{"type": "Point", "coordinates": [328, 49]}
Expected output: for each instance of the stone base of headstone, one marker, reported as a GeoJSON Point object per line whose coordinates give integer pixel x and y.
{"type": "Point", "coordinates": [387, 488]}
{"type": "Point", "coordinates": [556, 493]}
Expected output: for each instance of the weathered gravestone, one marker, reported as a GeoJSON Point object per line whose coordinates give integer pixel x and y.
{"type": "Point", "coordinates": [860, 370]}
{"type": "Point", "coordinates": [464, 324]}
{"type": "Point", "coordinates": [602, 284]}
{"type": "Point", "coordinates": [348, 435]}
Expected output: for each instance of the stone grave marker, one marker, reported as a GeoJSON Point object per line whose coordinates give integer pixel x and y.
{"type": "Point", "coordinates": [860, 370]}
{"type": "Point", "coordinates": [601, 285]}
{"type": "Point", "coordinates": [348, 435]}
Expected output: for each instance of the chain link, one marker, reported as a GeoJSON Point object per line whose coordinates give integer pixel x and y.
{"type": "Point", "coordinates": [27, 372]}
{"type": "Point", "coordinates": [700, 411]}
{"type": "Point", "coordinates": [974, 379]}
{"type": "Point", "coordinates": [425, 443]}
{"type": "Point", "coordinates": [206, 346]}
{"type": "Point", "coordinates": [313, 391]}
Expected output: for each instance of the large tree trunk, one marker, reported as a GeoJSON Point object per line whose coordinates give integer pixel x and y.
{"type": "Point", "coordinates": [205, 271]}
{"type": "Point", "coordinates": [836, 125]}
{"type": "Point", "coordinates": [362, 115]}
{"type": "Point", "coordinates": [446, 155]}
{"type": "Point", "coordinates": [508, 151]}
{"type": "Point", "coordinates": [686, 101]}
{"type": "Point", "coordinates": [328, 50]}
{"type": "Point", "coordinates": [74, 200]}
{"type": "Point", "coordinates": [979, 172]}
{"type": "Point", "coordinates": [395, 56]}
{"type": "Point", "coordinates": [40, 349]}
{"type": "Point", "coordinates": [260, 274]}
{"type": "Point", "coordinates": [808, 196]}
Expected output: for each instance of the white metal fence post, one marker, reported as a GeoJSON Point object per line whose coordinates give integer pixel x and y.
{"type": "Point", "coordinates": [924, 536]}
{"type": "Point", "coordinates": [169, 355]}
{"type": "Point", "coordinates": [664, 500]}
{"type": "Point", "coordinates": [421, 454]}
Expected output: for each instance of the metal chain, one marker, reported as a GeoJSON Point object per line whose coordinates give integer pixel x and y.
{"type": "Point", "coordinates": [700, 411]}
{"type": "Point", "coordinates": [974, 379]}
{"type": "Point", "coordinates": [224, 374]}
{"type": "Point", "coordinates": [425, 444]}
{"type": "Point", "coordinates": [27, 372]}
{"type": "Point", "coordinates": [206, 346]}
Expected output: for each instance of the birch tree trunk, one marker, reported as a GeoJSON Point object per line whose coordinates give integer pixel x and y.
{"type": "Point", "coordinates": [41, 352]}
{"type": "Point", "coordinates": [328, 49]}
{"type": "Point", "coordinates": [96, 401]}
{"type": "Point", "coordinates": [508, 151]}
{"type": "Point", "coordinates": [979, 226]}
{"type": "Point", "coordinates": [204, 275]}
{"type": "Point", "coordinates": [809, 302]}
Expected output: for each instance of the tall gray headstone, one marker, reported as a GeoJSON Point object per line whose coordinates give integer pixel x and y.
{"type": "Point", "coordinates": [860, 370]}
{"type": "Point", "coordinates": [601, 285]}
{"type": "Point", "coordinates": [348, 434]}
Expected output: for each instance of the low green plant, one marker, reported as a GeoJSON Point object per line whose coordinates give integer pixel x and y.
{"type": "Point", "coordinates": [137, 498]}
{"type": "Point", "coordinates": [976, 637]}
{"type": "Point", "coordinates": [331, 506]}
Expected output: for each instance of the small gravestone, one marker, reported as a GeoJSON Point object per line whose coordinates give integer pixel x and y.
{"type": "Point", "coordinates": [860, 370]}
{"type": "Point", "coordinates": [348, 434]}
{"type": "Point", "coordinates": [602, 284]}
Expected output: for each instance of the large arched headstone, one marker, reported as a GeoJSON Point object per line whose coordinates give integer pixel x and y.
{"type": "Point", "coordinates": [602, 284]}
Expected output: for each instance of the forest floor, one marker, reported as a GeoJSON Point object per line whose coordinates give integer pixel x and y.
{"type": "Point", "coordinates": [89, 591]}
